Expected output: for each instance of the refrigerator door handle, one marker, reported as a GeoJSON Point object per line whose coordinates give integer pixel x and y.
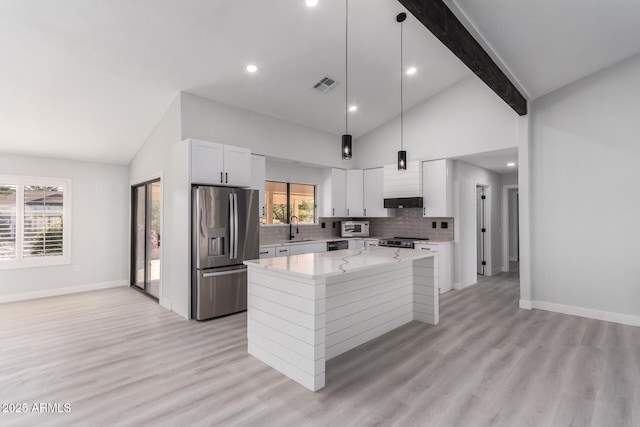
{"type": "Point", "coordinates": [235, 228]}
{"type": "Point", "coordinates": [225, 273]}
{"type": "Point", "coordinates": [232, 225]}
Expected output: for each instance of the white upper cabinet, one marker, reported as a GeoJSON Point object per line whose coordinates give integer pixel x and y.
{"type": "Point", "coordinates": [218, 164]}
{"type": "Point", "coordinates": [258, 176]}
{"type": "Point", "coordinates": [437, 188]}
{"type": "Point", "coordinates": [355, 189]}
{"type": "Point", "coordinates": [334, 191]}
{"type": "Point", "coordinates": [237, 166]}
{"type": "Point", "coordinates": [373, 183]}
{"type": "Point", "coordinates": [207, 162]}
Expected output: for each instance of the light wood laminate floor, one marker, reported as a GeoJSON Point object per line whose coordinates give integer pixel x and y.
{"type": "Point", "coordinates": [120, 359]}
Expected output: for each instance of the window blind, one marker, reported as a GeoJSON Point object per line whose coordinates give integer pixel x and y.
{"type": "Point", "coordinates": [7, 221]}
{"type": "Point", "coordinates": [43, 227]}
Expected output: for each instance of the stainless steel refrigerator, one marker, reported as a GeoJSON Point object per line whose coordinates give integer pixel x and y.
{"type": "Point", "coordinates": [225, 232]}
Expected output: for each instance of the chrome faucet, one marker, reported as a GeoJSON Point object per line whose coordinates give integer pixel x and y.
{"type": "Point", "coordinates": [291, 236]}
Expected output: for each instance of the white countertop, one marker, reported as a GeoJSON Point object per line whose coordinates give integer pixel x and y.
{"type": "Point", "coordinates": [432, 242]}
{"type": "Point", "coordinates": [325, 264]}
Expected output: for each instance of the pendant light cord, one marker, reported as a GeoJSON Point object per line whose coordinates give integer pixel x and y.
{"type": "Point", "coordinates": [346, 70]}
{"type": "Point", "coordinates": [401, 90]}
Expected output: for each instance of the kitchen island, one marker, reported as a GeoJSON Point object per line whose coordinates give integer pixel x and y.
{"type": "Point", "coordinates": [306, 309]}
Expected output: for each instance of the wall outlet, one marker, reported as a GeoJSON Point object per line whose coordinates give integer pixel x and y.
{"type": "Point", "coordinates": [444, 224]}
{"type": "Point", "coordinates": [434, 224]}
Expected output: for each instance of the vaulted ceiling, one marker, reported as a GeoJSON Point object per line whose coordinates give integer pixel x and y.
{"type": "Point", "coordinates": [89, 80]}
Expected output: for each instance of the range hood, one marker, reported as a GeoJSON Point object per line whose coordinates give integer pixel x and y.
{"type": "Point", "coordinates": [403, 202]}
{"type": "Point", "coordinates": [403, 188]}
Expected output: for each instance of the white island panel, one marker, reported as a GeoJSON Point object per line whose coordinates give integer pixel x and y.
{"type": "Point", "coordinates": [306, 309]}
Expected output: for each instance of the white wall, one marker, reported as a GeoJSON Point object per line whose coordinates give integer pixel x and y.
{"type": "Point", "coordinates": [585, 198]}
{"type": "Point", "coordinates": [465, 179]}
{"type": "Point", "coordinates": [153, 160]}
{"type": "Point", "coordinates": [466, 118]}
{"type": "Point", "coordinates": [212, 121]}
{"type": "Point", "coordinates": [509, 178]}
{"type": "Point", "coordinates": [99, 229]}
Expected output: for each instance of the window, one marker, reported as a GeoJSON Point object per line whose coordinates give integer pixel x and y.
{"type": "Point", "coordinates": [287, 199]}
{"type": "Point", "coordinates": [34, 221]}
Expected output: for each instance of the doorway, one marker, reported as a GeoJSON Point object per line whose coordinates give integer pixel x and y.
{"type": "Point", "coordinates": [481, 229]}
{"type": "Point", "coordinates": [146, 206]}
{"type": "Point", "coordinates": [511, 227]}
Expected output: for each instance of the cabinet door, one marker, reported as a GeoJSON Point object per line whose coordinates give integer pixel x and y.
{"type": "Point", "coordinates": [355, 190]}
{"type": "Point", "coordinates": [373, 184]}
{"type": "Point", "coordinates": [282, 251]}
{"type": "Point", "coordinates": [207, 160]}
{"type": "Point", "coordinates": [258, 176]}
{"type": "Point", "coordinates": [237, 166]}
{"type": "Point", "coordinates": [338, 192]}
{"type": "Point", "coordinates": [369, 243]}
{"type": "Point", "coordinates": [436, 189]}
{"type": "Point", "coordinates": [267, 252]}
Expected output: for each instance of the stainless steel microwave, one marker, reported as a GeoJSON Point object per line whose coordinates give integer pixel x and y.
{"type": "Point", "coordinates": [355, 229]}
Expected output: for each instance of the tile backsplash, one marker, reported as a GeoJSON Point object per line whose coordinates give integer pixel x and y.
{"type": "Point", "coordinates": [406, 223]}
{"type": "Point", "coordinates": [410, 223]}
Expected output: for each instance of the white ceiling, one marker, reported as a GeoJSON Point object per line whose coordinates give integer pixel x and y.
{"type": "Point", "coordinates": [546, 44]}
{"type": "Point", "coordinates": [89, 80]}
{"type": "Point", "coordinates": [495, 161]}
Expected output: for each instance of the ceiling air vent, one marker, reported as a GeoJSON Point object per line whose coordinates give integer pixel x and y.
{"type": "Point", "coordinates": [325, 85]}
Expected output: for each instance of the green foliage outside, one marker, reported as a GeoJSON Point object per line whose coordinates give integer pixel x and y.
{"type": "Point", "coordinates": [48, 242]}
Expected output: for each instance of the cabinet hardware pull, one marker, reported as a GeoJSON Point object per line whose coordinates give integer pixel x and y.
{"type": "Point", "coordinates": [347, 211]}
{"type": "Point", "coordinates": [263, 210]}
{"type": "Point", "coordinates": [333, 211]}
{"type": "Point", "coordinates": [226, 178]}
{"type": "Point", "coordinates": [221, 181]}
{"type": "Point", "coordinates": [365, 211]}
{"type": "Point", "coordinates": [424, 211]}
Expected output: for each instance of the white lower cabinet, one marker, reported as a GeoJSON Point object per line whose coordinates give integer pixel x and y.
{"type": "Point", "coordinates": [307, 248]}
{"type": "Point", "coordinates": [356, 243]}
{"type": "Point", "coordinates": [282, 251]}
{"type": "Point", "coordinates": [445, 263]}
{"type": "Point", "coordinates": [370, 242]}
{"type": "Point", "coordinates": [267, 252]}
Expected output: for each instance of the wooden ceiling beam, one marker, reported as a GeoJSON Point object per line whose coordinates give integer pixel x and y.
{"type": "Point", "coordinates": [438, 18]}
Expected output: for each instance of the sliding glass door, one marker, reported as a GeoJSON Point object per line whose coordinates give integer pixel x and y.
{"type": "Point", "coordinates": [145, 237]}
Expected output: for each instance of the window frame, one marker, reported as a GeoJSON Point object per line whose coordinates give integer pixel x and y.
{"type": "Point", "coordinates": [315, 202]}
{"type": "Point", "coordinates": [20, 181]}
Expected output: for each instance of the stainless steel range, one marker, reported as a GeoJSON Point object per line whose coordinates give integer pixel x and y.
{"type": "Point", "coordinates": [400, 242]}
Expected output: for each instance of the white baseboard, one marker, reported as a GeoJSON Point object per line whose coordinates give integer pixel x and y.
{"type": "Point", "coordinates": [505, 269]}
{"type": "Point", "coordinates": [166, 303]}
{"type": "Point", "coordinates": [514, 259]}
{"type": "Point", "coordinates": [625, 319]}
{"type": "Point", "coordinates": [526, 304]}
{"type": "Point", "coordinates": [62, 291]}
{"type": "Point", "coordinates": [459, 286]}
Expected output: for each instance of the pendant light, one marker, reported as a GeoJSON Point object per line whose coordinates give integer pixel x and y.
{"type": "Point", "coordinates": [402, 155]}
{"type": "Point", "coordinates": [347, 150]}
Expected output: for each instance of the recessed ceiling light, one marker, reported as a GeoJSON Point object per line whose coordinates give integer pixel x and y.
{"type": "Point", "coordinates": [511, 164]}
{"type": "Point", "coordinates": [252, 68]}
{"type": "Point", "coordinates": [353, 108]}
{"type": "Point", "coordinates": [311, 3]}
{"type": "Point", "coordinates": [411, 71]}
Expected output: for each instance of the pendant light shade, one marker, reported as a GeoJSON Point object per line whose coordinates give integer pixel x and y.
{"type": "Point", "coordinates": [402, 154]}
{"type": "Point", "coordinates": [346, 147]}
{"type": "Point", "coordinates": [346, 138]}
{"type": "Point", "coordinates": [402, 160]}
